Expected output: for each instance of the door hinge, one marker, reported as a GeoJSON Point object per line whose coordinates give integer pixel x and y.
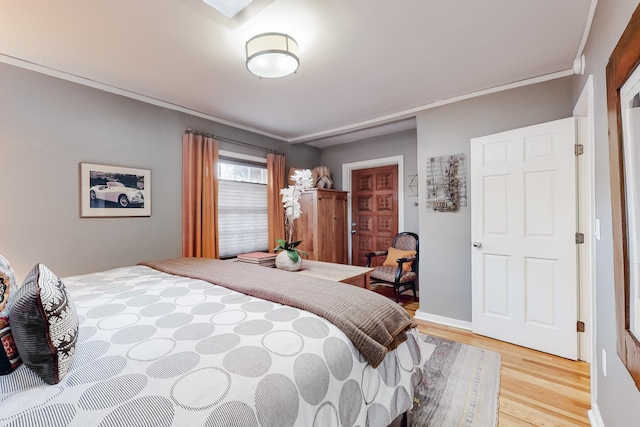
{"type": "Point", "coordinates": [579, 238]}
{"type": "Point", "coordinates": [579, 149]}
{"type": "Point", "coordinates": [580, 326]}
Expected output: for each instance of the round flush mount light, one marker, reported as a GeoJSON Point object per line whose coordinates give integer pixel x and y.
{"type": "Point", "coordinates": [272, 55]}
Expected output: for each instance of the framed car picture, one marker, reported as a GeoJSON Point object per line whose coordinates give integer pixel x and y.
{"type": "Point", "coordinates": [114, 191]}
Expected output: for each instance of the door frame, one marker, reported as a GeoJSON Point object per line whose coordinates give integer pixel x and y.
{"type": "Point", "coordinates": [584, 109]}
{"type": "Point", "coordinates": [365, 164]}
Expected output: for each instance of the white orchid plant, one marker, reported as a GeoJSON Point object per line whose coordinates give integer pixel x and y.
{"type": "Point", "coordinates": [291, 201]}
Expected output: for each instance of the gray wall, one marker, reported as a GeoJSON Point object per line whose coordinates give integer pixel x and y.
{"type": "Point", "coordinates": [47, 127]}
{"type": "Point", "coordinates": [445, 238]}
{"type": "Point", "coordinates": [401, 143]}
{"type": "Point", "coordinates": [618, 399]}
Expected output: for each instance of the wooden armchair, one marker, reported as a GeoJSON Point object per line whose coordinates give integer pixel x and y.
{"type": "Point", "coordinates": [400, 268]}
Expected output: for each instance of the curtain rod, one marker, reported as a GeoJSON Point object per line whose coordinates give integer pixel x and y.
{"type": "Point", "coordinates": [233, 141]}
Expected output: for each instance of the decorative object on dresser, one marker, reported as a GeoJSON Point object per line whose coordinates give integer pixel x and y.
{"type": "Point", "coordinates": [289, 256]}
{"type": "Point", "coordinates": [322, 226]}
{"type": "Point", "coordinates": [322, 177]}
{"type": "Point", "coordinates": [264, 259]}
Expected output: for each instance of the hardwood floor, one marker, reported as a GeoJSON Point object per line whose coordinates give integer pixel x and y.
{"type": "Point", "coordinates": [536, 389]}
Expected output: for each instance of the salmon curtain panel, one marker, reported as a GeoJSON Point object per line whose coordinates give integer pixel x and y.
{"type": "Point", "coordinates": [199, 196]}
{"type": "Point", "coordinates": [275, 172]}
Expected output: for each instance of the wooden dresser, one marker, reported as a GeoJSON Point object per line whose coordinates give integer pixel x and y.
{"type": "Point", "coordinates": [322, 226]}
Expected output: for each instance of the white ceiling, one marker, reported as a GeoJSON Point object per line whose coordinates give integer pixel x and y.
{"type": "Point", "coordinates": [363, 63]}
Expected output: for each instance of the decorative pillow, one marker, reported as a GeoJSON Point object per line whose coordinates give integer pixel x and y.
{"type": "Point", "coordinates": [9, 356]}
{"type": "Point", "coordinates": [44, 324]}
{"type": "Point", "coordinates": [393, 254]}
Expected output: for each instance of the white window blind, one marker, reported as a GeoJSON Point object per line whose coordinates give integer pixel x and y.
{"type": "Point", "coordinates": [242, 211]}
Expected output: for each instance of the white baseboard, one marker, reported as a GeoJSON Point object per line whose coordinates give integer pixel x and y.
{"type": "Point", "coordinates": [447, 321]}
{"type": "Point", "coordinates": [594, 416]}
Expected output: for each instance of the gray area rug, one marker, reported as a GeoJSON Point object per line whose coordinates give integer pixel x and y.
{"type": "Point", "coordinates": [460, 386]}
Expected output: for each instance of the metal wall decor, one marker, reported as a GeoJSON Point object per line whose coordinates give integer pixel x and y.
{"type": "Point", "coordinates": [446, 183]}
{"type": "Point", "coordinates": [413, 187]}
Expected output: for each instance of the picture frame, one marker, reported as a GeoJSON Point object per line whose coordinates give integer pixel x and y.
{"type": "Point", "coordinates": [114, 191]}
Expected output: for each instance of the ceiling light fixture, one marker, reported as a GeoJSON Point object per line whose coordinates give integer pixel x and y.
{"type": "Point", "coordinates": [272, 55]}
{"type": "Point", "coordinates": [228, 8]}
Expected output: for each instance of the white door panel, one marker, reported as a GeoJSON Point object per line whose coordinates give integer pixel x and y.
{"type": "Point", "coordinates": [523, 209]}
{"type": "Point", "coordinates": [497, 290]}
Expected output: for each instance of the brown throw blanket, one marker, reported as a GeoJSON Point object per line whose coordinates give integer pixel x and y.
{"type": "Point", "coordinates": [374, 323]}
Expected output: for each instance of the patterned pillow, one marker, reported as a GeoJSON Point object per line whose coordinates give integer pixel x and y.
{"type": "Point", "coordinates": [44, 324]}
{"type": "Point", "coordinates": [9, 356]}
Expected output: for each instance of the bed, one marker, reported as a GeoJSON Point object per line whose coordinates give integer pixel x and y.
{"type": "Point", "coordinates": [155, 348]}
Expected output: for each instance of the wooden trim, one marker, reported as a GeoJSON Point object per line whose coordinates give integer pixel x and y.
{"type": "Point", "coordinates": [624, 59]}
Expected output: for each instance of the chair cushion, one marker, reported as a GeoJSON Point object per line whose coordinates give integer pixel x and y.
{"type": "Point", "coordinates": [44, 324]}
{"type": "Point", "coordinates": [9, 356]}
{"type": "Point", "coordinates": [388, 274]}
{"type": "Point", "coordinates": [394, 254]}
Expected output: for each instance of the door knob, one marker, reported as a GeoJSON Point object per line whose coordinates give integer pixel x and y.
{"type": "Point", "coordinates": [477, 244]}
{"type": "Point", "coordinates": [353, 231]}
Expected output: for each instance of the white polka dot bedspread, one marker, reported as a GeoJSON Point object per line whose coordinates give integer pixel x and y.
{"type": "Point", "coordinates": [159, 350]}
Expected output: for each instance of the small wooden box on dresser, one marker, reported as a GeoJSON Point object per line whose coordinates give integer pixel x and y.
{"type": "Point", "coordinates": [322, 225]}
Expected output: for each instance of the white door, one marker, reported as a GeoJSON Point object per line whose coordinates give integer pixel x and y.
{"type": "Point", "coordinates": [523, 224]}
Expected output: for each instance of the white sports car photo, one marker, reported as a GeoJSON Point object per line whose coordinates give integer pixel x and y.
{"type": "Point", "coordinates": [116, 192]}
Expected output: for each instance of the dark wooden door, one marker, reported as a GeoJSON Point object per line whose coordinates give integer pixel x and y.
{"type": "Point", "coordinates": [374, 210]}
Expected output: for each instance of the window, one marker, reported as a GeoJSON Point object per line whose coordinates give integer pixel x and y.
{"type": "Point", "coordinates": [242, 207]}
